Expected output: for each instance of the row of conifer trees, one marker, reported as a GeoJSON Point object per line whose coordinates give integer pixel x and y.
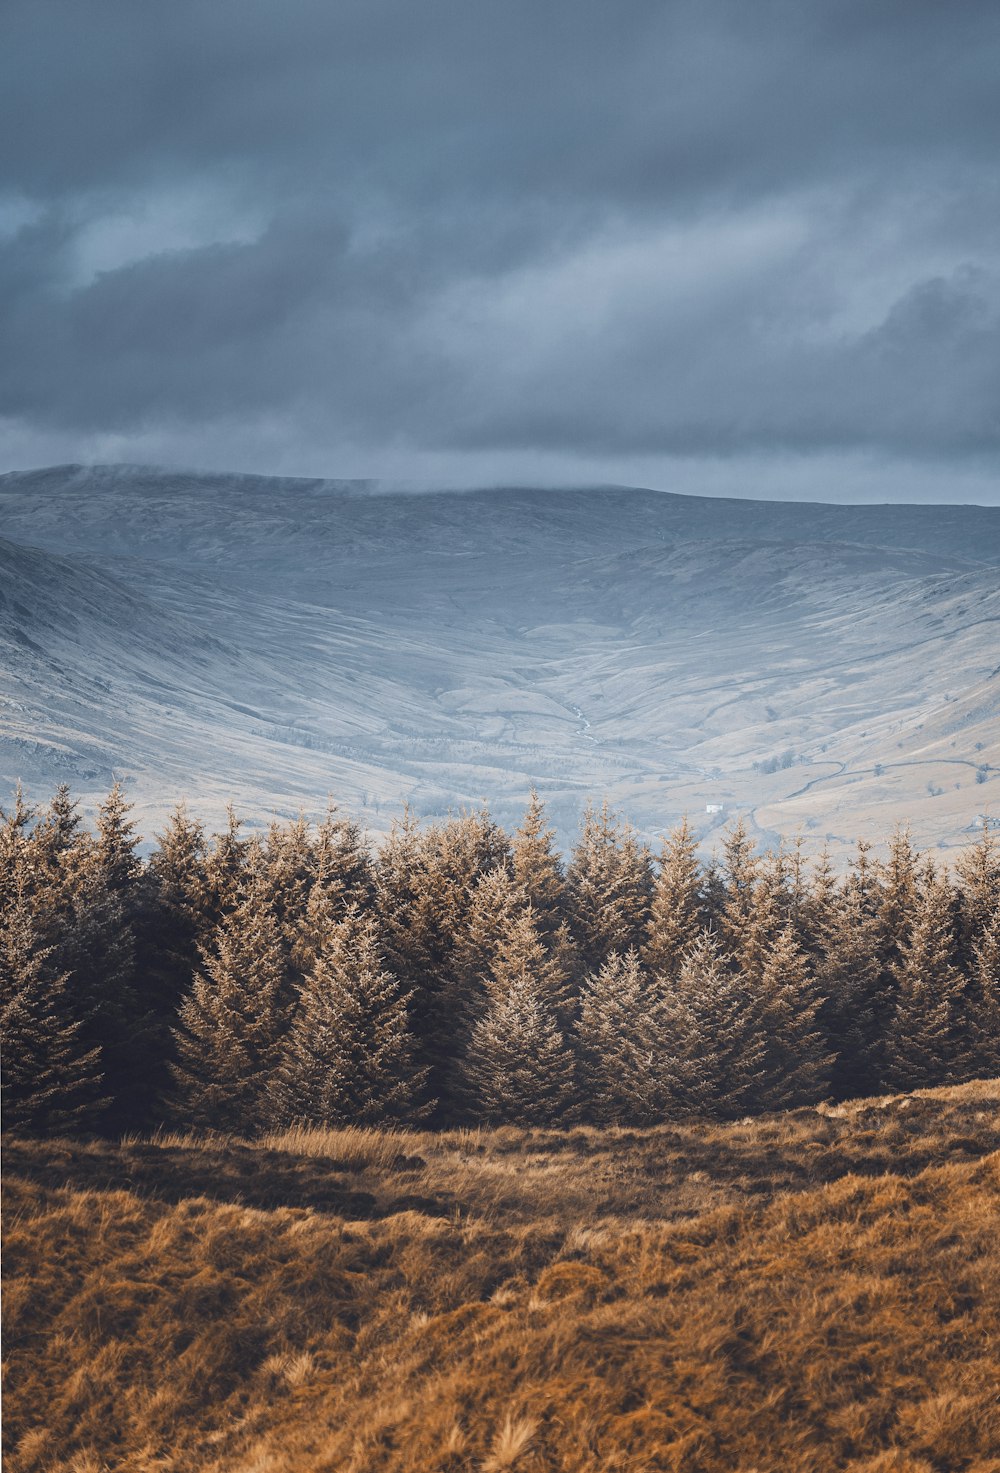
{"type": "Point", "coordinates": [459, 973]}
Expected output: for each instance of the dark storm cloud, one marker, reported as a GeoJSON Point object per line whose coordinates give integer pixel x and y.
{"type": "Point", "coordinates": [643, 228]}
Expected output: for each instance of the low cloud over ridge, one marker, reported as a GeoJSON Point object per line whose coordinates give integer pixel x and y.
{"type": "Point", "coordinates": [461, 239]}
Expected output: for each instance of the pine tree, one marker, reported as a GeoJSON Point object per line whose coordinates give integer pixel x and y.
{"type": "Point", "coordinates": [797, 1061]}
{"type": "Point", "coordinates": [521, 951]}
{"type": "Point", "coordinates": [610, 882]}
{"type": "Point", "coordinates": [675, 913]}
{"type": "Point", "coordinates": [54, 838]}
{"type": "Point", "coordinates": [929, 1038]}
{"type": "Point", "coordinates": [348, 1058]}
{"type": "Point", "coordinates": [232, 1023]}
{"type": "Point", "coordinates": [621, 1044]}
{"type": "Point", "coordinates": [344, 864]}
{"type": "Point", "coordinates": [287, 874]}
{"type": "Point", "coordinates": [426, 882]}
{"type": "Point", "coordinates": [86, 895]}
{"type": "Point", "coordinates": [179, 883]}
{"type": "Point", "coordinates": [986, 991]}
{"type": "Point", "coordinates": [176, 920]}
{"type": "Point", "coordinates": [51, 1080]}
{"type": "Point", "coordinates": [497, 900]}
{"type": "Point", "coordinates": [978, 872]}
{"type": "Point", "coordinates": [15, 824]}
{"type": "Point", "coordinates": [516, 1066]}
{"type": "Point", "coordinates": [226, 867]}
{"type": "Point", "coordinates": [713, 1059]}
{"type": "Point", "coordinates": [848, 970]}
{"type": "Point", "coordinates": [115, 844]}
{"type": "Point", "coordinates": [740, 868]}
{"type": "Point", "coordinates": [818, 908]}
{"type": "Point", "coordinates": [897, 884]}
{"type": "Point", "coordinates": [767, 909]}
{"type": "Point", "coordinates": [536, 867]}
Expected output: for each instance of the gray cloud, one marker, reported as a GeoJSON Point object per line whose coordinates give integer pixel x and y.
{"type": "Point", "coordinates": [464, 232]}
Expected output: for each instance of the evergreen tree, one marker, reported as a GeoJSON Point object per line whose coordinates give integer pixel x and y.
{"type": "Point", "coordinates": [740, 869]}
{"type": "Point", "coordinates": [54, 838]}
{"type": "Point", "coordinates": [848, 970]}
{"type": "Point", "coordinates": [799, 889]}
{"type": "Point", "coordinates": [400, 880]}
{"type": "Point", "coordinates": [115, 844]}
{"type": "Point", "coordinates": [929, 1038]}
{"type": "Point", "coordinates": [797, 1061]}
{"type": "Point", "coordinates": [232, 1023]}
{"type": "Point", "coordinates": [227, 865]}
{"type": "Point", "coordinates": [714, 1054]}
{"type": "Point", "coordinates": [978, 871]}
{"type": "Point", "coordinates": [536, 866]}
{"type": "Point", "coordinates": [610, 882]}
{"type": "Point", "coordinates": [179, 885]}
{"type": "Point", "coordinates": [344, 864]}
{"type": "Point", "coordinates": [766, 907]}
{"type": "Point", "coordinates": [85, 894]}
{"type": "Point", "coordinates": [621, 1044]}
{"type": "Point", "coordinates": [497, 900]}
{"type": "Point", "coordinates": [175, 922]}
{"type": "Point", "coordinates": [816, 911]}
{"type": "Point", "coordinates": [287, 873]}
{"type": "Point", "coordinates": [426, 882]}
{"type": "Point", "coordinates": [51, 1080]}
{"type": "Point", "coordinates": [13, 828]}
{"type": "Point", "coordinates": [520, 951]}
{"type": "Point", "coordinates": [348, 1058]}
{"type": "Point", "coordinates": [714, 896]}
{"type": "Point", "coordinates": [675, 913]}
{"type": "Point", "coordinates": [897, 881]}
{"type": "Point", "coordinates": [99, 946]}
{"type": "Point", "coordinates": [517, 1067]}
{"type": "Point", "coordinates": [986, 992]}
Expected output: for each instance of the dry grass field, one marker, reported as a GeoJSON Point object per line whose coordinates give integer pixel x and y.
{"type": "Point", "coordinates": [813, 1291]}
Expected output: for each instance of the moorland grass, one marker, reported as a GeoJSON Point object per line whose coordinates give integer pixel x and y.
{"type": "Point", "coordinates": [812, 1291]}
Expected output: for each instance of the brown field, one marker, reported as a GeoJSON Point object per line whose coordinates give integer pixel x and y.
{"type": "Point", "coordinates": [813, 1291]}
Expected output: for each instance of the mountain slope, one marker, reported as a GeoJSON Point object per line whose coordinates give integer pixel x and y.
{"type": "Point", "coordinates": [272, 641]}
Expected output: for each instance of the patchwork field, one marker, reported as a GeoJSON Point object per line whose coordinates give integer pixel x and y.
{"type": "Point", "coordinates": [813, 1291]}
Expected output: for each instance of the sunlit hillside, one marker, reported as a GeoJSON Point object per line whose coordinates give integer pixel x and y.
{"type": "Point", "coordinates": [812, 1291]}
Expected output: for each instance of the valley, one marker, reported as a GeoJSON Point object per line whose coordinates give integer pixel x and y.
{"type": "Point", "coordinates": [824, 670]}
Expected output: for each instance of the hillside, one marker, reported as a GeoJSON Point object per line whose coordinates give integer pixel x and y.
{"type": "Point", "coordinates": [810, 1291]}
{"type": "Point", "coordinates": [824, 668]}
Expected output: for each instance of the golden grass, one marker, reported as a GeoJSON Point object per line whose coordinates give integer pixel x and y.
{"type": "Point", "coordinates": [811, 1292]}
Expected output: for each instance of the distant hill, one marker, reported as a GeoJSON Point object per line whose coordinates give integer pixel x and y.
{"type": "Point", "coordinates": [830, 669]}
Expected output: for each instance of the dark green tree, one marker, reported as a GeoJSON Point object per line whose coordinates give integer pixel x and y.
{"type": "Point", "coordinates": [51, 1079]}
{"type": "Point", "coordinates": [676, 914]}
{"type": "Point", "coordinates": [930, 1037]}
{"type": "Point", "coordinates": [349, 1057]}
{"type": "Point", "coordinates": [232, 1023]}
{"type": "Point", "coordinates": [610, 883]}
{"type": "Point", "coordinates": [517, 1067]}
{"type": "Point", "coordinates": [622, 1041]}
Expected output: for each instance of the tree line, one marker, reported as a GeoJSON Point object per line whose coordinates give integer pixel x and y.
{"type": "Point", "coordinates": [459, 973]}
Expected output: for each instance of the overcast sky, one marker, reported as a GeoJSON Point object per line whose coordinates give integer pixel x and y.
{"type": "Point", "coordinates": [742, 248]}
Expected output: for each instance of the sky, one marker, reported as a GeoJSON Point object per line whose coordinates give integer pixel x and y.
{"type": "Point", "coordinates": [703, 245]}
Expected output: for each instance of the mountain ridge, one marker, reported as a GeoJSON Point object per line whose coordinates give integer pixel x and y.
{"type": "Point", "coordinates": [446, 648]}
